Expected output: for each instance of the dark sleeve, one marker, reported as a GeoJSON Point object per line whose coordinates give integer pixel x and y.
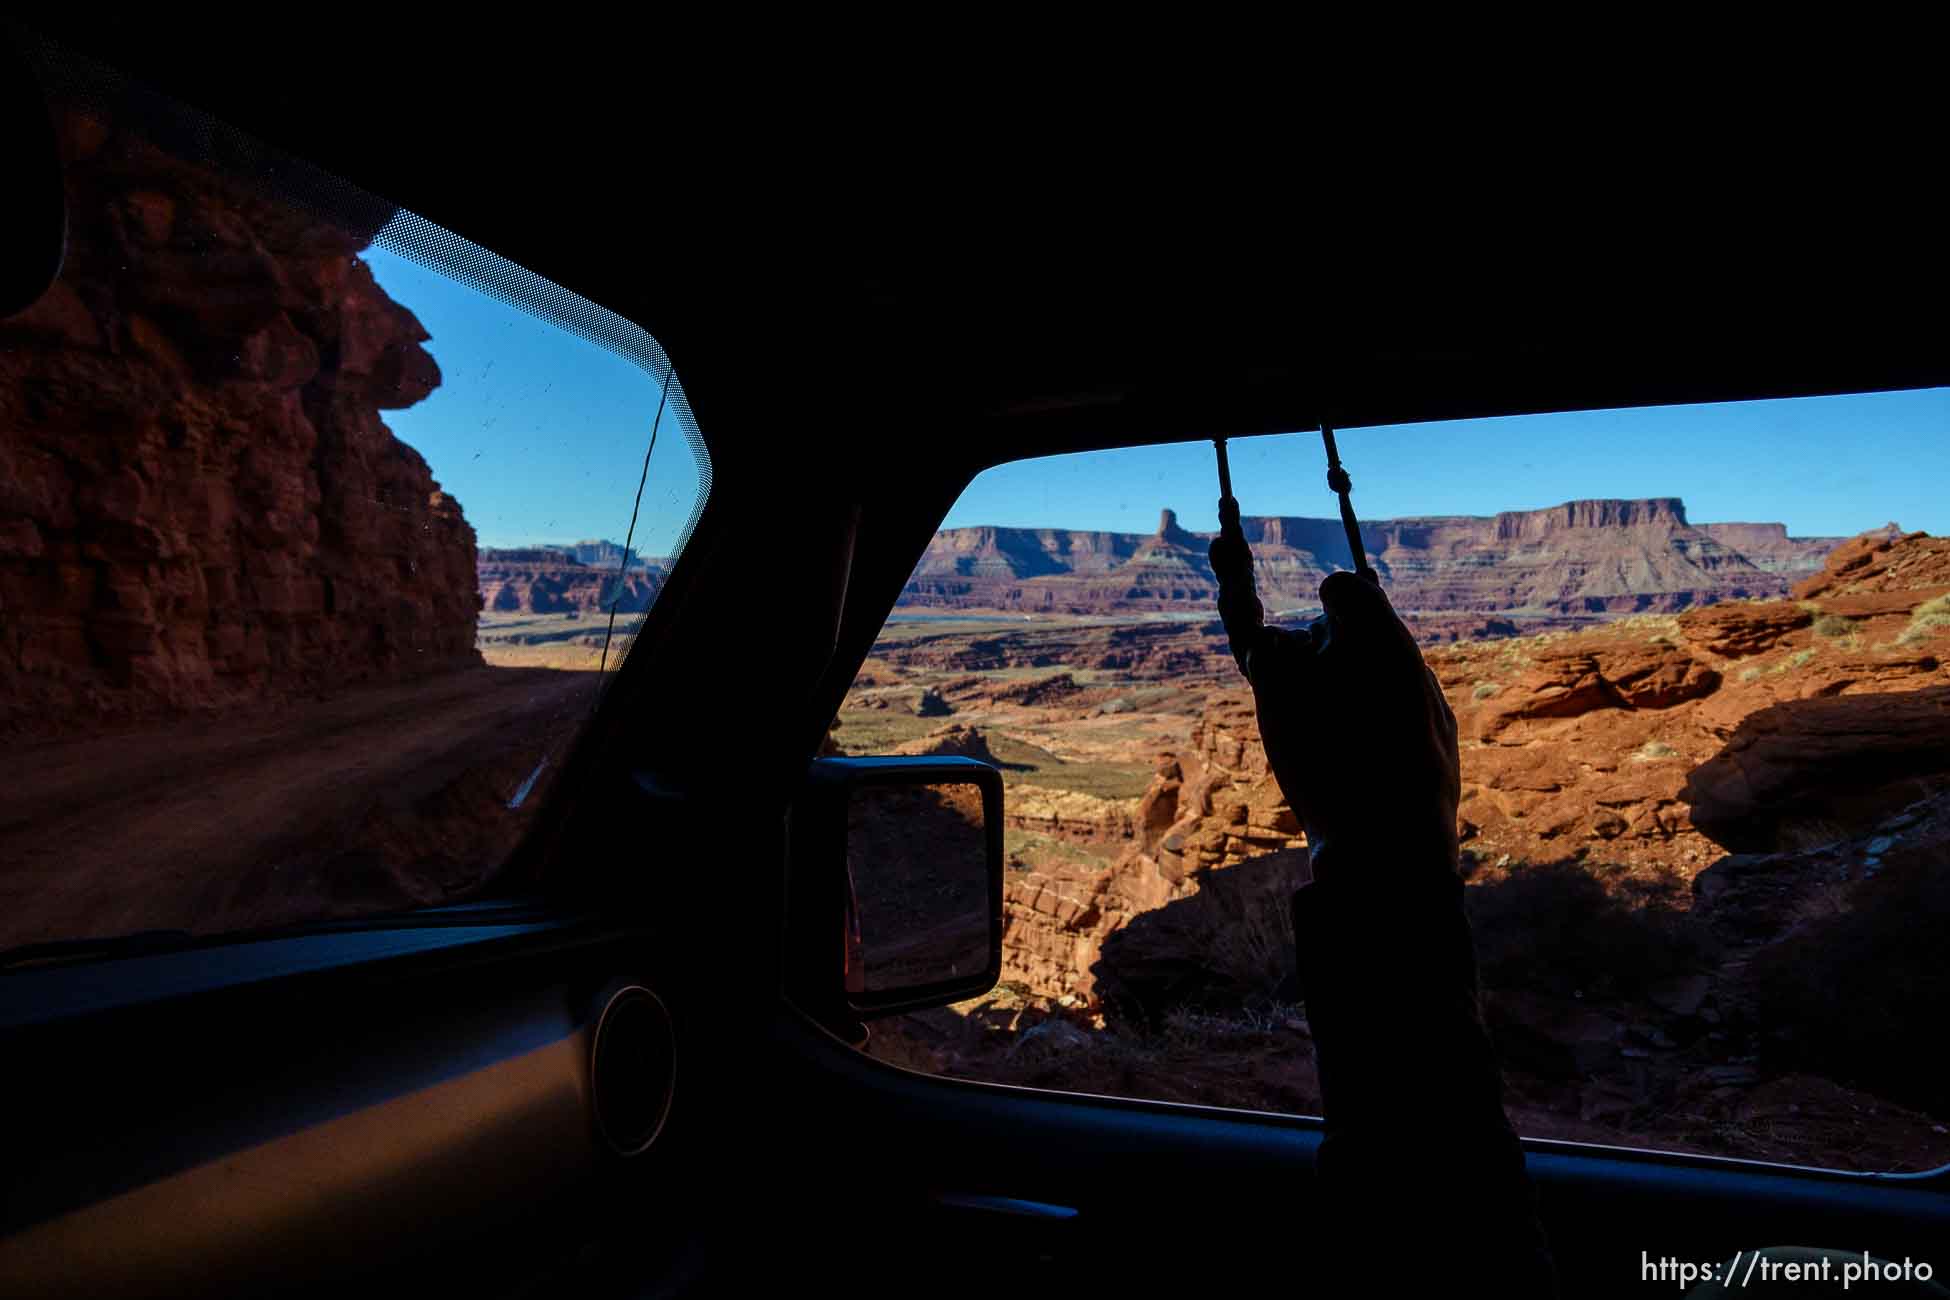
{"type": "Point", "coordinates": [1244, 618]}
{"type": "Point", "coordinates": [1420, 1168]}
{"type": "Point", "coordinates": [1253, 643]}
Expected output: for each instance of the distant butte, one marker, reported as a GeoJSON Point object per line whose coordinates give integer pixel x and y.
{"type": "Point", "coordinates": [1571, 563]}
{"type": "Point", "coordinates": [553, 580]}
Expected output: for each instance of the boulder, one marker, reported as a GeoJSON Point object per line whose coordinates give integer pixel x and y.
{"type": "Point", "coordinates": [956, 740]}
{"type": "Point", "coordinates": [1743, 628]}
{"type": "Point", "coordinates": [1845, 760]}
{"type": "Point", "coordinates": [1658, 677]}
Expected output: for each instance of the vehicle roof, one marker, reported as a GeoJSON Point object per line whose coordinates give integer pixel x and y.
{"type": "Point", "coordinates": [1063, 273]}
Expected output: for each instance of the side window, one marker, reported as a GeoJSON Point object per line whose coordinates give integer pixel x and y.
{"type": "Point", "coordinates": [312, 545]}
{"type": "Point", "coordinates": [1706, 800]}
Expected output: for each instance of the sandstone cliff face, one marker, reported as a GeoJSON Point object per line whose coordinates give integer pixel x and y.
{"type": "Point", "coordinates": [199, 502]}
{"type": "Point", "coordinates": [543, 580]}
{"type": "Point", "coordinates": [1768, 546]}
{"type": "Point", "coordinates": [1577, 561]}
{"type": "Point", "coordinates": [1215, 805]}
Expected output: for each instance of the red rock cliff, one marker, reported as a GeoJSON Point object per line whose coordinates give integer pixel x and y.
{"type": "Point", "coordinates": [544, 580]}
{"type": "Point", "coordinates": [1570, 564]}
{"type": "Point", "coordinates": [199, 502]}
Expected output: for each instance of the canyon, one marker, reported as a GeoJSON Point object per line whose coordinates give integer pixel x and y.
{"type": "Point", "coordinates": [1681, 832]}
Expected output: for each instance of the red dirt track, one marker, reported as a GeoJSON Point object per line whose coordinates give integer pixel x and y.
{"type": "Point", "coordinates": [390, 796]}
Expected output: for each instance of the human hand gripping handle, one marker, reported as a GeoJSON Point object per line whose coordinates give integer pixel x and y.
{"type": "Point", "coordinates": [1358, 733]}
{"type": "Point", "coordinates": [1232, 565]}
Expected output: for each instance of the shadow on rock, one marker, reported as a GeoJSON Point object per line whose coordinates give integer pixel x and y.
{"type": "Point", "coordinates": [1802, 771]}
{"type": "Point", "coordinates": [1227, 947]}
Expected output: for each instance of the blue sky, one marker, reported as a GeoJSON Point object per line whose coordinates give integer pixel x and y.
{"type": "Point", "coordinates": [538, 434]}
{"type": "Point", "coordinates": [1823, 466]}
{"type": "Point", "coordinates": [541, 436]}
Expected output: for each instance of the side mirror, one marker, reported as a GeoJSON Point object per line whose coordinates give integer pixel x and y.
{"type": "Point", "coordinates": [894, 891]}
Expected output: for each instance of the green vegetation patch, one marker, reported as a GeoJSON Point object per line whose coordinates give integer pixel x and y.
{"type": "Point", "coordinates": [1030, 764]}
{"type": "Point", "coordinates": [1031, 847]}
{"type": "Point", "coordinates": [878, 731]}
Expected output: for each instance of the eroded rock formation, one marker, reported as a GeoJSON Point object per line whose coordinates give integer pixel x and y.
{"type": "Point", "coordinates": [200, 504]}
{"type": "Point", "coordinates": [1575, 562]}
{"type": "Point", "coordinates": [547, 580]}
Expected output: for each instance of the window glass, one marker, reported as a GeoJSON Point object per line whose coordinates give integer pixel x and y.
{"type": "Point", "coordinates": [1701, 690]}
{"type": "Point", "coordinates": [310, 544]}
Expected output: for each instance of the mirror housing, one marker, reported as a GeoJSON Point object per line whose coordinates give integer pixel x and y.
{"type": "Point", "coordinates": [869, 934]}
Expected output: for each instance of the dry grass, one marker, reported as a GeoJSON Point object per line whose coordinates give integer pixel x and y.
{"type": "Point", "coordinates": [1925, 620]}
{"type": "Point", "coordinates": [1659, 628]}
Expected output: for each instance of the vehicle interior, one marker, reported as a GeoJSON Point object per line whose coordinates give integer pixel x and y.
{"type": "Point", "coordinates": [875, 284]}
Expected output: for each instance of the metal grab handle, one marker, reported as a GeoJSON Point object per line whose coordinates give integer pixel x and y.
{"type": "Point", "coordinates": [1337, 479]}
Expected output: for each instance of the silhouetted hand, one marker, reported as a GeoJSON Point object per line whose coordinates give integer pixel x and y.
{"type": "Point", "coordinates": [1356, 729]}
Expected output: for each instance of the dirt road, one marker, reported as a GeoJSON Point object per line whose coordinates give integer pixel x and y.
{"type": "Point", "coordinates": [390, 796]}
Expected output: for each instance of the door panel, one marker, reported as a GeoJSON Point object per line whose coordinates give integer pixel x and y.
{"type": "Point", "coordinates": [305, 1131]}
{"type": "Point", "coordinates": [1154, 1195]}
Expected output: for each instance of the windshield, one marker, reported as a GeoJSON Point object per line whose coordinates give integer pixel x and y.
{"type": "Point", "coordinates": [312, 545]}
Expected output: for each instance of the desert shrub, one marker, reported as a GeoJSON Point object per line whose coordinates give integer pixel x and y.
{"type": "Point", "coordinates": [1570, 927]}
{"type": "Point", "coordinates": [1751, 673]}
{"type": "Point", "coordinates": [1925, 619]}
{"type": "Point", "coordinates": [1799, 659]}
{"type": "Point", "coordinates": [1859, 995]}
{"type": "Point", "coordinates": [1484, 690]}
{"type": "Point", "coordinates": [1654, 749]}
{"type": "Point", "coordinates": [1834, 625]}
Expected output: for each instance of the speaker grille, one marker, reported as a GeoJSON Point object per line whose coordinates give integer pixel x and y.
{"type": "Point", "coordinates": [633, 1069]}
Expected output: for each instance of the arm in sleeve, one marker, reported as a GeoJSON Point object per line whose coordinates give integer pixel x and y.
{"type": "Point", "coordinates": [1419, 1157]}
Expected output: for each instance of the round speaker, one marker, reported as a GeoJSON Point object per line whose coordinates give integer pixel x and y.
{"type": "Point", "coordinates": [632, 1069]}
